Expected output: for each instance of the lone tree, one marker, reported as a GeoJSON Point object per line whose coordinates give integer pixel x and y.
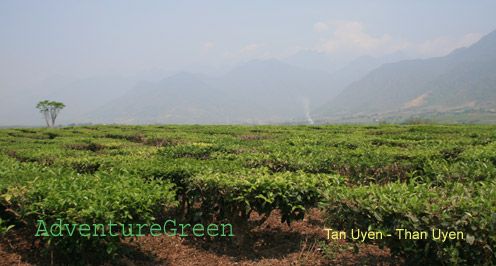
{"type": "Point", "coordinates": [50, 110]}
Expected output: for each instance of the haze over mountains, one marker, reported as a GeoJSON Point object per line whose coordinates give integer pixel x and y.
{"type": "Point", "coordinates": [257, 92]}
{"type": "Point", "coordinates": [463, 81]}
{"type": "Point", "coordinates": [283, 91]}
{"type": "Point", "coordinates": [252, 62]}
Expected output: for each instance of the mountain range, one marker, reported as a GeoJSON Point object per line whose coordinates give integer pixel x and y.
{"type": "Point", "coordinates": [258, 92]}
{"type": "Point", "coordinates": [464, 81]}
{"type": "Point", "coordinates": [458, 87]}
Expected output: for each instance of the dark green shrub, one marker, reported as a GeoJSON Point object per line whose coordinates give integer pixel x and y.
{"type": "Point", "coordinates": [88, 199]}
{"type": "Point", "coordinates": [468, 208]}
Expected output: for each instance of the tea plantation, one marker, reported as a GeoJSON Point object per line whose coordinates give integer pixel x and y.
{"type": "Point", "coordinates": [371, 178]}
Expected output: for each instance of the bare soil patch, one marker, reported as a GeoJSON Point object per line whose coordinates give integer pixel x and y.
{"type": "Point", "coordinates": [273, 243]}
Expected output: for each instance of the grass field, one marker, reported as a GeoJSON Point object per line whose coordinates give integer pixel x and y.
{"type": "Point", "coordinates": [375, 179]}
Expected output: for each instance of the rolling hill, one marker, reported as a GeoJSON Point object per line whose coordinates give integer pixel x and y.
{"type": "Point", "coordinates": [258, 92]}
{"type": "Point", "coordinates": [465, 78]}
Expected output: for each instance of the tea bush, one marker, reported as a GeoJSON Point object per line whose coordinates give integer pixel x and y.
{"type": "Point", "coordinates": [460, 207]}
{"type": "Point", "coordinates": [382, 177]}
{"type": "Point", "coordinates": [88, 199]}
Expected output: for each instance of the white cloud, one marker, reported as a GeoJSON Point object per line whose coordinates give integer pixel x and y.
{"type": "Point", "coordinates": [443, 45]}
{"type": "Point", "coordinates": [250, 47]}
{"type": "Point", "coordinates": [248, 51]}
{"type": "Point", "coordinates": [345, 39]}
{"type": "Point", "coordinates": [288, 52]}
{"type": "Point", "coordinates": [351, 37]}
{"type": "Point", "coordinates": [207, 46]}
{"type": "Point", "coordinates": [320, 26]}
{"type": "Point", "coordinates": [470, 39]}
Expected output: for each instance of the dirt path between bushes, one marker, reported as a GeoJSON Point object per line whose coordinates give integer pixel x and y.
{"type": "Point", "coordinates": [273, 243]}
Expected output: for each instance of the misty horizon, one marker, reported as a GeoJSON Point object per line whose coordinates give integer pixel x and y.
{"type": "Point", "coordinates": [261, 63]}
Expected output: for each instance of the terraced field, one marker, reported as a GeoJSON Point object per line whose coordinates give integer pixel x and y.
{"type": "Point", "coordinates": [376, 179]}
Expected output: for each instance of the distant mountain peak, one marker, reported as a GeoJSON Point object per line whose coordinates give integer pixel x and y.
{"type": "Point", "coordinates": [466, 78]}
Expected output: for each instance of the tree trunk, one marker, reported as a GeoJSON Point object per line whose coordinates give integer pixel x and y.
{"type": "Point", "coordinates": [47, 119]}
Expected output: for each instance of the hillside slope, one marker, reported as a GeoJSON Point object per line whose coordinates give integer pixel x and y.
{"type": "Point", "coordinates": [466, 78]}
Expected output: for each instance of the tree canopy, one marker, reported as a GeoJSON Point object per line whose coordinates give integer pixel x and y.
{"type": "Point", "coordinates": [50, 110]}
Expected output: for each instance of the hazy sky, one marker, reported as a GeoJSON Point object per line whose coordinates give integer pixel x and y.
{"type": "Point", "coordinates": [44, 39]}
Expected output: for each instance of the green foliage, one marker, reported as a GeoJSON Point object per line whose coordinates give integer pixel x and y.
{"type": "Point", "coordinates": [234, 196]}
{"type": "Point", "coordinates": [383, 177]}
{"type": "Point", "coordinates": [50, 110]}
{"type": "Point", "coordinates": [467, 208]}
{"type": "Point", "coordinates": [87, 199]}
{"type": "Point", "coordinates": [4, 227]}
{"type": "Point", "coordinates": [419, 121]}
